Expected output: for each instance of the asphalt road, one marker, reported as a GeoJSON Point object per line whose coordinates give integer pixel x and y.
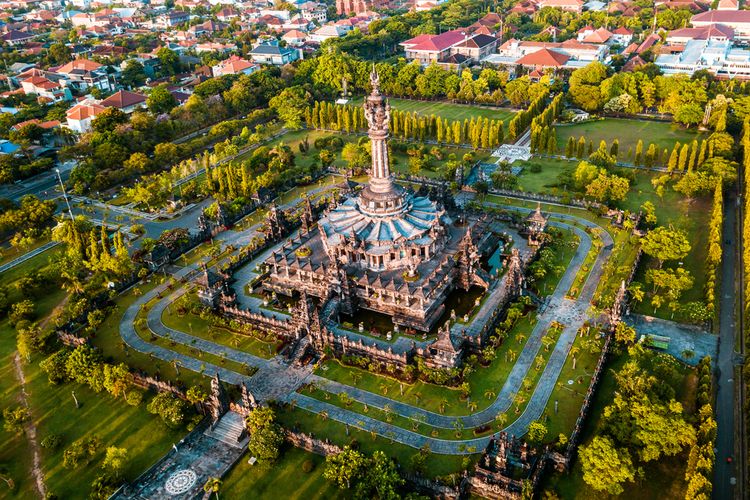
{"type": "Point", "coordinates": [725, 473]}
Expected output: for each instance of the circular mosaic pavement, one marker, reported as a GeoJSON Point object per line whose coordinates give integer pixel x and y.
{"type": "Point", "coordinates": [180, 482]}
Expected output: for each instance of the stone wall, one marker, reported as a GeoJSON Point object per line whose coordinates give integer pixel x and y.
{"type": "Point", "coordinates": [70, 339]}
{"type": "Point", "coordinates": [154, 384]}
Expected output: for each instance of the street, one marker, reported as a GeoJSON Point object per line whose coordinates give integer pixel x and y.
{"type": "Point", "coordinates": [725, 473]}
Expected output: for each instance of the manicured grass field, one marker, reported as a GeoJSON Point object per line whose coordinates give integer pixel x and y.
{"type": "Point", "coordinates": [15, 453]}
{"type": "Point", "coordinates": [433, 397]}
{"type": "Point", "coordinates": [448, 110]}
{"type": "Point", "coordinates": [627, 132]}
{"type": "Point", "coordinates": [337, 433]}
{"type": "Point", "coordinates": [285, 479]}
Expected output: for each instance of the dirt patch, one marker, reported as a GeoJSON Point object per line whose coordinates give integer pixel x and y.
{"type": "Point", "coordinates": [30, 429]}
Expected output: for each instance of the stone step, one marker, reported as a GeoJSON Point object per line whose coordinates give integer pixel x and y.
{"type": "Point", "coordinates": [228, 430]}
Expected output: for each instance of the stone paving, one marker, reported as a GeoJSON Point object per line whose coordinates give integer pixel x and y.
{"type": "Point", "coordinates": [685, 339]}
{"type": "Point", "coordinates": [181, 473]}
{"type": "Point", "coordinates": [276, 380]}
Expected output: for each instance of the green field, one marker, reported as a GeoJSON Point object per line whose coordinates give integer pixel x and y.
{"type": "Point", "coordinates": [53, 412]}
{"type": "Point", "coordinates": [285, 479]}
{"type": "Point", "coordinates": [447, 110]}
{"type": "Point", "coordinates": [627, 132]}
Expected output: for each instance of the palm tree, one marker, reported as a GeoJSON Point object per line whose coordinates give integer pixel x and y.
{"type": "Point", "coordinates": [489, 394]}
{"type": "Point", "coordinates": [539, 362]}
{"type": "Point", "coordinates": [510, 354]}
{"type": "Point", "coordinates": [417, 396]}
{"type": "Point", "coordinates": [574, 351]}
{"type": "Point", "coordinates": [547, 341]}
{"type": "Point", "coordinates": [384, 388]}
{"type": "Point", "coordinates": [176, 364]}
{"type": "Point", "coordinates": [323, 415]}
{"type": "Point", "coordinates": [472, 406]}
{"type": "Point", "coordinates": [212, 486]}
{"type": "Point", "coordinates": [442, 404]}
{"type": "Point", "coordinates": [501, 419]}
{"type": "Point", "coordinates": [520, 337]}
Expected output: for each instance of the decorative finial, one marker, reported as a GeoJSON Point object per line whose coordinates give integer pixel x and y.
{"type": "Point", "coordinates": [375, 80]}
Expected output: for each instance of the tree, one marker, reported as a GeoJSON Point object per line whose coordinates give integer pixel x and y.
{"type": "Point", "coordinates": [170, 408]}
{"type": "Point", "coordinates": [133, 75]}
{"type": "Point", "coordinates": [290, 105]}
{"type": "Point", "coordinates": [115, 461]}
{"type": "Point", "coordinates": [537, 432]}
{"type": "Point", "coordinates": [14, 418]}
{"type": "Point", "coordinates": [346, 467]}
{"type": "Point", "coordinates": [161, 100]}
{"type": "Point", "coordinates": [170, 61]}
{"type": "Point", "coordinates": [108, 120]}
{"type": "Point", "coordinates": [213, 485]}
{"type": "Point", "coordinates": [381, 480]}
{"type": "Point", "coordinates": [266, 436]}
{"type": "Point", "coordinates": [605, 467]}
{"type": "Point", "coordinates": [666, 243]}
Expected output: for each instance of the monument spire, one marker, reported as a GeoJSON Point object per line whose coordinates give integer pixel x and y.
{"type": "Point", "coordinates": [378, 115]}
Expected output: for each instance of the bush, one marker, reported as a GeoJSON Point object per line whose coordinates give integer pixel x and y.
{"type": "Point", "coordinates": [308, 466]}
{"type": "Point", "coordinates": [134, 397]}
{"type": "Point", "coordinates": [51, 442]}
{"type": "Point", "coordinates": [535, 168]}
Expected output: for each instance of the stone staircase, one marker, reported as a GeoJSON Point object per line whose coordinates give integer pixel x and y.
{"type": "Point", "coordinates": [230, 429]}
{"type": "Point", "coordinates": [299, 350]}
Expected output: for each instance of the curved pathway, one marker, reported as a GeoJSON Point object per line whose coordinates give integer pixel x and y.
{"type": "Point", "coordinates": [276, 380]}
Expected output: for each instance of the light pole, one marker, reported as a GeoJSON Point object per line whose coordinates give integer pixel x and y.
{"type": "Point", "coordinates": [65, 194]}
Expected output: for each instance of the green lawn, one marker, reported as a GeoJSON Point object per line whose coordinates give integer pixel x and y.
{"type": "Point", "coordinates": [627, 132]}
{"type": "Point", "coordinates": [285, 479]}
{"type": "Point", "coordinates": [15, 453]}
{"type": "Point", "coordinates": [447, 110]}
{"type": "Point", "coordinates": [432, 397]}
{"type": "Point", "coordinates": [337, 433]}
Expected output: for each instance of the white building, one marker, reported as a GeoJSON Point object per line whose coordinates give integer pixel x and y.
{"type": "Point", "coordinates": [717, 56]}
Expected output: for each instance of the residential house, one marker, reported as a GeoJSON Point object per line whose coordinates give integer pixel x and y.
{"type": "Point", "coordinates": [710, 32]}
{"type": "Point", "coordinates": [313, 11]}
{"type": "Point", "coordinates": [171, 19]}
{"type": "Point", "coordinates": [80, 116]}
{"type": "Point", "coordinates": [125, 101]}
{"type": "Point", "coordinates": [235, 65]}
{"type": "Point", "coordinates": [568, 5]}
{"type": "Point", "coordinates": [45, 89]}
{"type": "Point", "coordinates": [272, 53]}
{"type": "Point", "coordinates": [15, 38]}
{"type": "Point", "coordinates": [728, 5]}
{"type": "Point", "coordinates": [328, 31]}
{"type": "Point", "coordinates": [576, 54]}
{"type": "Point", "coordinates": [621, 36]}
{"type": "Point", "coordinates": [83, 74]}
{"type": "Point", "coordinates": [215, 47]}
{"type": "Point", "coordinates": [432, 48]}
{"type": "Point", "coordinates": [227, 14]}
{"type": "Point", "coordinates": [294, 38]}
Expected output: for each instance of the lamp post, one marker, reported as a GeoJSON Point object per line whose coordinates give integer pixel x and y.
{"type": "Point", "coordinates": [65, 194]}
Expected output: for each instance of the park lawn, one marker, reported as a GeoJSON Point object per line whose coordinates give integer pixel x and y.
{"type": "Point", "coordinates": [33, 264]}
{"type": "Point", "coordinates": [430, 396]}
{"type": "Point", "coordinates": [199, 327]}
{"type": "Point", "coordinates": [545, 181]}
{"type": "Point", "coordinates": [449, 110]}
{"type": "Point", "coordinates": [627, 132]}
{"type": "Point", "coordinates": [117, 424]}
{"type": "Point", "coordinates": [108, 339]}
{"type": "Point", "coordinates": [285, 479]}
{"type": "Point", "coordinates": [664, 478]}
{"type": "Point", "coordinates": [570, 396]}
{"type": "Point", "coordinates": [565, 249]}
{"type": "Point", "coordinates": [341, 435]}
{"type": "Point", "coordinates": [15, 452]}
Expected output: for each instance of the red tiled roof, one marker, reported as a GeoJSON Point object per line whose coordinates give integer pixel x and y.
{"type": "Point", "coordinates": [544, 58]}
{"type": "Point", "coordinates": [435, 43]}
{"type": "Point", "coordinates": [722, 16]}
{"type": "Point", "coordinates": [123, 99]}
{"type": "Point", "coordinates": [79, 64]}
